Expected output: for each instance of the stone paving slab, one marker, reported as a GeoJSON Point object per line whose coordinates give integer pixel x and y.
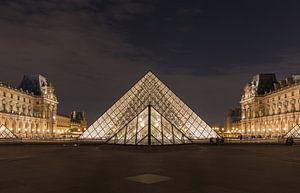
{"type": "Point", "coordinates": [186, 169]}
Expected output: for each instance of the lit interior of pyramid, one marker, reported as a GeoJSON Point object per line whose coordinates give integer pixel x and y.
{"type": "Point", "coordinates": [294, 132]}
{"type": "Point", "coordinates": [149, 127]}
{"type": "Point", "coordinates": [149, 114]}
{"type": "Point", "coordinates": [5, 133]}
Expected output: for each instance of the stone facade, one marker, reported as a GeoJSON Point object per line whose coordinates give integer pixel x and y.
{"type": "Point", "coordinates": [233, 120]}
{"type": "Point", "coordinates": [30, 110]}
{"type": "Point", "coordinates": [71, 126]}
{"type": "Point", "coordinates": [270, 107]}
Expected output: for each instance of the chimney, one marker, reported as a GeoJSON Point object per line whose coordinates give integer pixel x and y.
{"type": "Point", "coordinates": [276, 86]}
{"type": "Point", "coordinates": [283, 83]}
{"type": "Point", "coordinates": [290, 81]}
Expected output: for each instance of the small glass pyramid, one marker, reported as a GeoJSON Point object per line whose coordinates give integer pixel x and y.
{"type": "Point", "coordinates": [5, 133]}
{"type": "Point", "coordinates": [149, 114]}
{"type": "Point", "coordinates": [294, 132]}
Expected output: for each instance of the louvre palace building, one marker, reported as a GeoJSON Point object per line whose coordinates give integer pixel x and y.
{"type": "Point", "coordinates": [30, 110]}
{"type": "Point", "coordinates": [269, 107]}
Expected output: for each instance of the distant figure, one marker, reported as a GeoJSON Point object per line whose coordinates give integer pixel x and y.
{"type": "Point", "coordinates": [218, 140]}
{"type": "Point", "coordinates": [289, 141]}
{"type": "Point", "coordinates": [241, 137]}
{"type": "Point", "coordinates": [211, 140]}
{"type": "Point", "coordinates": [222, 140]}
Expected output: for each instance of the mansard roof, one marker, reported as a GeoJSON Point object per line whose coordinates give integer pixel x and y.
{"type": "Point", "coordinates": [33, 83]}
{"type": "Point", "coordinates": [264, 83]}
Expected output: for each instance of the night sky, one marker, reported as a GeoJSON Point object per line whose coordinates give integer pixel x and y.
{"type": "Point", "coordinates": [93, 51]}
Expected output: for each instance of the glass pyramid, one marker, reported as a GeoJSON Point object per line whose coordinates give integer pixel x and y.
{"type": "Point", "coordinates": [5, 133]}
{"type": "Point", "coordinates": [294, 132]}
{"type": "Point", "coordinates": [149, 114]}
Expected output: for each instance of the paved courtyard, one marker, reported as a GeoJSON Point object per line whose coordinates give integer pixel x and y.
{"type": "Point", "coordinates": [119, 169]}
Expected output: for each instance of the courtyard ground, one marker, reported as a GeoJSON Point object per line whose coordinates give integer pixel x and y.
{"type": "Point", "coordinates": [123, 169]}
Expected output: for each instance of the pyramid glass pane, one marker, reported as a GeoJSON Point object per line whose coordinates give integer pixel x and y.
{"type": "Point", "coordinates": [5, 133]}
{"type": "Point", "coordinates": [134, 132]}
{"type": "Point", "coordinates": [294, 132]}
{"type": "Point", "coordinates": [149, 113]}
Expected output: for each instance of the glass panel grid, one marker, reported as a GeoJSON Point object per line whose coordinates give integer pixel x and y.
{"type": "Point", "coordinates": [5, 133]}
{"type": "Point", "coordinates": [294, 132]}
{"type": "Point", "coordinates": [177, 122]}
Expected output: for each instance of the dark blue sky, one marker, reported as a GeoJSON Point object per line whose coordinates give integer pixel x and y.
{"type": "Point", "coordinates": [94, 50]}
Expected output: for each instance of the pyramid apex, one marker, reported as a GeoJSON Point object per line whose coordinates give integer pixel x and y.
{"type": "Point", "coordinates": [149, 73]}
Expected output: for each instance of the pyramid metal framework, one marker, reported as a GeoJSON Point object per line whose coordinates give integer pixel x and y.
{"type": "Point", "coordinates": [149, 114]}
{"type": "Point", "coordinates": [5, 133]}
{"type": "Point", "coordinates": [294, 132]}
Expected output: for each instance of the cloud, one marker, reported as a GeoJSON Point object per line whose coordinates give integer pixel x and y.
{"type": "Point", "coordinates": [73, 45]}
{"type": "Point", "coordinates": [94, 50]}
{"type": "Point", "coordinates": [127, 10]}
{"type": "Point", "coordinates": [53, 31]}
{"type": "Point", "coordinates": [190, 12]}
{"type": "Point", "coordinates": [283, 62]}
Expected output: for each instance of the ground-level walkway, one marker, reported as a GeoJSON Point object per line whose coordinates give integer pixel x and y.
{"type": "Point", "coordinates": [119, 169]}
